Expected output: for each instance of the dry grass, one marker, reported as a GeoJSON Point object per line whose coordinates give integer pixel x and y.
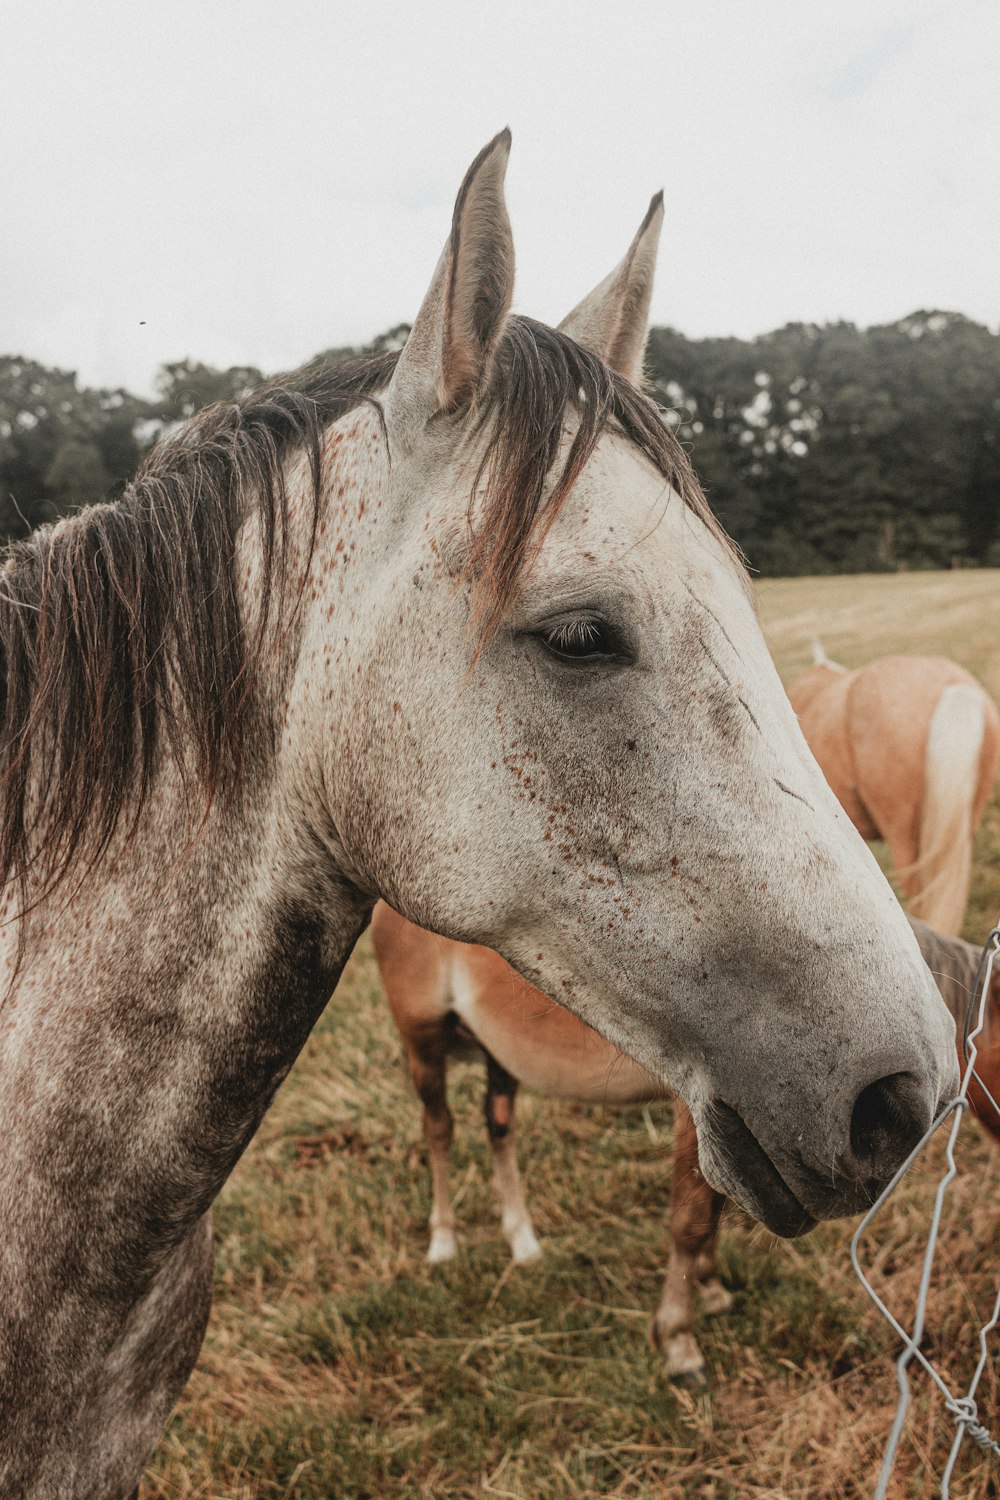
{"type": "Point", "coordinates": [338, 1364]}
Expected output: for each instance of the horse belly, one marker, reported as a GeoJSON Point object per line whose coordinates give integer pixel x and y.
{"type": "Point", "coordinates": [543, 1046]}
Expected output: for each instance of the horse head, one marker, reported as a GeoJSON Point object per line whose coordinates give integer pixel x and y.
{"type": "Point", "coordinates": [557, 731]}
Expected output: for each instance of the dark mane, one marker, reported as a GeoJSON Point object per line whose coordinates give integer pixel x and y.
{"type": "Point", "coordinates": [539, 377]}
{"type": "Point", "coordinates": [954, 964]}
{"type": "Point", "coordinates": [121, 629]}
{"type": "Point", "coordinates": [121, 633]}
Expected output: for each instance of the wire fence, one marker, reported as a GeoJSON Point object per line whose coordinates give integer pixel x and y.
{"type": "Point", "coordinates": [962, 1407]}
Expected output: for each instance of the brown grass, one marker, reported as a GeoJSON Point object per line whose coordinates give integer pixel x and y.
{"type": "Point", "coordinates": [338, 1364]}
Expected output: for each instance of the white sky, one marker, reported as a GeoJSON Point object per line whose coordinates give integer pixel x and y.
{"type": "Point", "coordinates": [250, 181]}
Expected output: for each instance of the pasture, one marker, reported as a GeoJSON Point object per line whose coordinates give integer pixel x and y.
{"type": "Point", "coordinates": [337, 1363]}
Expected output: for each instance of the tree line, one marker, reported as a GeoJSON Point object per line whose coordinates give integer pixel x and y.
{"type": "Point", "coordinates": [822, 449]}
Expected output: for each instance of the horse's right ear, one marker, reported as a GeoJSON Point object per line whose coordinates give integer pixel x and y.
{"type": "Point", "coordinates": [613, 321]}
{"type": "Point", "coordinates": [466, 306]}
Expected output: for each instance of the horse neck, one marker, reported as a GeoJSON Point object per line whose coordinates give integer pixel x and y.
{"type": "Point", "coordinates": [229, 927]}
{"type": "Point", "coordinates": [955, 967]}
{"type": "Point", "coordinates": [168, 989]}
{"type": "Point", "coordinates": [991, 1028]}
{"type": "Point", "coordinates": [153, 1018]}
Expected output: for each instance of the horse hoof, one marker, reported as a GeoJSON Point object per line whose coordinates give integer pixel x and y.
{"type": "Point", "coordinates": [714, 1297]}
{"type": "Point", "coordinates": [524, 1246]}
{"type": "Point", "coordinates": [682, 1358]}
{"type": "Point", "coordinates": [443, 1246]}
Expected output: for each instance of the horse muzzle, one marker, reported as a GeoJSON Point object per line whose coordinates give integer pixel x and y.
{"type": "Point", "coordinates": [890, 1117]}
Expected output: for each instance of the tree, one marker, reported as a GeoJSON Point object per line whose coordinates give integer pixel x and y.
{"type": "Point", "coordinates": [187, 385]}
{"type": "Point", "coordinates": [841, 448]}
{"type": "Point", "coordinates": [77, 475]}
{"type": "Point", "coordinates": [821, 448]}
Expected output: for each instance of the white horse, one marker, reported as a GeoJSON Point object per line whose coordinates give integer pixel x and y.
{"type": "Point", "coordinates": [456, 629]}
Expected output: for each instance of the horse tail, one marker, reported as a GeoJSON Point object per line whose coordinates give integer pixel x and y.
{"type": "Point", "coordinates": [942, 871]}
{"type": "Point", "coordinates": [820, 658]}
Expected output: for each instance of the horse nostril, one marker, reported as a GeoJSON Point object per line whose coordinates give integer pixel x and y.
{"type": "Point", "coordinates": [889, 1117]}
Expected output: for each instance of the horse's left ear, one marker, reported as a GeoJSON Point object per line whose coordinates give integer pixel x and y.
{"type": "Point", "coordinates": [613, 321]}
{"type": "Point", "coordinates": [449, 347]}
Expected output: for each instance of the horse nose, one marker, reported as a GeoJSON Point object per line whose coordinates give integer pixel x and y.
{"type": "Point", "coordinates": [889, 1118]}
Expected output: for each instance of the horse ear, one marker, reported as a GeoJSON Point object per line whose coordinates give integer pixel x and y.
{"type": "Point", "coordinates": [463, 313]}
{"type": "Point", "coordinates": [613, 320]}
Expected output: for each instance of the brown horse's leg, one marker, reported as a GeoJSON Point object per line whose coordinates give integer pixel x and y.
{"type": "Point", "coordinates": [700, 1215]}
{"type": "Point", "coordinates": [427, 1055]}
{"type": "Point", "coordinates": [518, 1231]}
{"type": "Point", "coordinates": [713, 1296]}
{"type": "Point", "coordinates": [694, 1222]}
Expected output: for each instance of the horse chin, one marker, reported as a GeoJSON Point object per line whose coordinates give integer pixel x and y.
{"type": "Point", "coordinates": [733, 1160]}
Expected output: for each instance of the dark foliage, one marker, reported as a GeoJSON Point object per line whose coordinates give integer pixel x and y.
{"type": "Point", "coordinates": [822, 449]}
{"type": "Point", "coordinates": [843, 450]}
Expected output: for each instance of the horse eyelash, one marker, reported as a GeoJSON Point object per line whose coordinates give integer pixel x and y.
{"type": "Point", "coordinates": [568, 634]}
{"type": "Point", "coordinates": [582, 638]}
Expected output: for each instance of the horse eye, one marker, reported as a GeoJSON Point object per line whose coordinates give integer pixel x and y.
{"type": "Point", "coordinates": [582, 639]}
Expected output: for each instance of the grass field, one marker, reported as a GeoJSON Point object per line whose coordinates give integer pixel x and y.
{"type": "Point", "coordinates": [338, 1363]}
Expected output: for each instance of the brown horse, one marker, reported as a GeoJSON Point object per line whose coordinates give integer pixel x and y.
{"type": "Point", "coordinates": [910, 745]}
{"type": "Point", "coordinates": [451, 999]}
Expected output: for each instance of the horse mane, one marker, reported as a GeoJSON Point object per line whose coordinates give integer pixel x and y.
{"type": "Point", "coordinates": [954, 964]}
{"type": "Point", "coordinates": [121, 631]}
{"type": "Point", "coordinates": [539, 376]}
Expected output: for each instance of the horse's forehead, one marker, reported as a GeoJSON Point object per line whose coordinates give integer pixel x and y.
{"type": "Point", "coordinates": [620, 474]}
{"type": "Point", "coordinates": [621, 508]}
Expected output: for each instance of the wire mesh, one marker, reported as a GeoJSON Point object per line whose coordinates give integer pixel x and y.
{"type": "Point", "coordinates": [963, 1408]}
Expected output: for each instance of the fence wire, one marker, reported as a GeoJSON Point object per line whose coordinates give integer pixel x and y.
{"type": "Point", "coordinates": [963, 1408]}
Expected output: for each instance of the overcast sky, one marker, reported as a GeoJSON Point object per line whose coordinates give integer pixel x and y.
{"type": "Point", "coordinates": [250, 181]}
